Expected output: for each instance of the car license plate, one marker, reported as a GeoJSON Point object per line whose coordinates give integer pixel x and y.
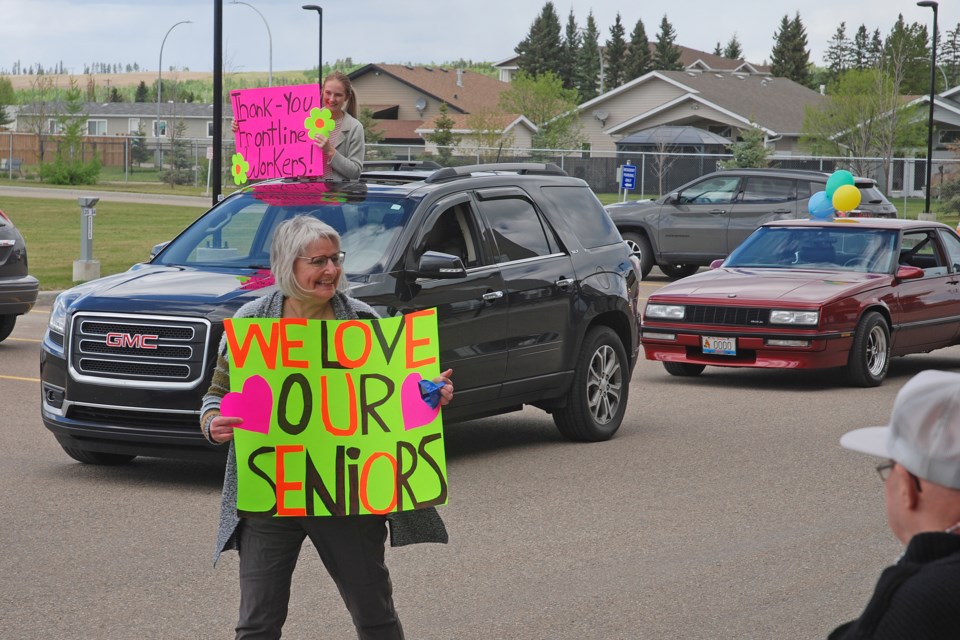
{"type": "Point", "coordinates": [719, 346]}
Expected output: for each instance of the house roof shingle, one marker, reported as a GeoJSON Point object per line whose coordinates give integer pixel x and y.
{"type": "Point", "coordinates": [474, 91]}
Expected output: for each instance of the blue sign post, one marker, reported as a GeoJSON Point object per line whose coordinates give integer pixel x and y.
{"type": "Point", "coordinates": [628, 178]}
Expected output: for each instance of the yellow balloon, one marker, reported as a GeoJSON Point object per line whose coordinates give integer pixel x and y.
{"type": "Point", "coordinates": [846, 198]}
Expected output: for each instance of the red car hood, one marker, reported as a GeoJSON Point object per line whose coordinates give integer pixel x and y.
{"type": "Point", "coordinates": [793, 285]}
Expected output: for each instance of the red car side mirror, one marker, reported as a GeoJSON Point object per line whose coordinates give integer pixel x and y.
{"type": "Point", "coordinates": [716, 263]}
{"type": "Point", "coordinates": [905, 272]}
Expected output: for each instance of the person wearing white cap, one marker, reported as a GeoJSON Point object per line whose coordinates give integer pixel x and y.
{"type": "Point", "coordinates": [919, 596]}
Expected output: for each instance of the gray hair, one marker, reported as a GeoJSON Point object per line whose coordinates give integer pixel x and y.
{"type": "Point", "coordinates": [290, 240]}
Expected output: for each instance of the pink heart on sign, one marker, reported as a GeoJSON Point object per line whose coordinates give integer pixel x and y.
{"type": "Point", "coordinates": [254, 404]}
{"type": "Point", "coordinates": [416, 411]}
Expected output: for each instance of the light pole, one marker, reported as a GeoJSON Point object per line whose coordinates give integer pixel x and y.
{"type": "Point", "coordinates": [319, 10]}
{"type": "Point", "coordinates": [160, 84]}
{"type": "Point", "coordinates": [269, 38]}
{"type": "Point", "coordinates": [933, 87]}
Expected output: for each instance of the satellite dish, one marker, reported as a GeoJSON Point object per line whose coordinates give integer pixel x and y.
{"type": "Point", "coordinates": [421, 104]}
{"type": "Point", "coordinates": [601, 116]}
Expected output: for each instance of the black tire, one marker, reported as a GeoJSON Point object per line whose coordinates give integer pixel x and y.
{"type": "Point", "coordinates": [97, 457]}
{"type": "Point", "coordinates": [869, 357]}
{"type": "Point", "coordinates": [6, 326]}
{"type": "Point", "coordinates": [640, 245]}
{"type": "Point", "coordinates": [684, 369]}
{"type": "Point", "coordinates": [601, 385]}
{"type": "Point", "coordinates": [677, 271]}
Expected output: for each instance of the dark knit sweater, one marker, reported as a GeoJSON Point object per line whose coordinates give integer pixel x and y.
{"type": "Point", "coordinates": [918, 598]}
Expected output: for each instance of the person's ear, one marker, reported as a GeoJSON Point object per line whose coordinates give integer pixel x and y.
{"type": "Point", "coordinates": [906, 487]}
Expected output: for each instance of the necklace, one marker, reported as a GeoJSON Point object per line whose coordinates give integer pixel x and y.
{"type": "Point", "coordinates": [952, 528]}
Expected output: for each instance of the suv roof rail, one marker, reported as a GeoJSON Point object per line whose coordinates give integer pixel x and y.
{"type": "Point", "coordinates": [538, 168]}
{"type": "Point", "coordinates": [400, 165]}
{"type": "Point", "coordinates": [798, 172]}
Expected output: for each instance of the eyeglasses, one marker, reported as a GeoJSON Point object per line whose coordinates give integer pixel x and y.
{"type": "Point", "coordinates": [884, 470]}
{"type": "Point", "coordinates": [320, 262]}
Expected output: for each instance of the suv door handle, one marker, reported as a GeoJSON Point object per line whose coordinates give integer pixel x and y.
{"type": "Point", "coordinates": [490, 296]}
{"type": "Point", "coordinates": [717, 212]}
{"type": "Point", "coordinates": [563, 283]}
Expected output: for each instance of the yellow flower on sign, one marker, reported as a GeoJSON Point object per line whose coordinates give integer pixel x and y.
{"type": "Point", "coordinates": [239, 168]}
{"type": "Point", "coordinates": [319, 121]}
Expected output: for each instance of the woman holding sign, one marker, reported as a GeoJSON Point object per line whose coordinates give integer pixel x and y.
{"type": "Point", "coordinates": [306, 261]}
{"type": "Point", "coordinates": [343, 150]}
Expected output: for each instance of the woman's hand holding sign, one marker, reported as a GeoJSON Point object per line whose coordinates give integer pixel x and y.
{"type": "Point", "coordinates": [221, 428]}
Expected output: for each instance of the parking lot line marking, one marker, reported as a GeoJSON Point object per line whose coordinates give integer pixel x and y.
{"type": "Point", "coordinates": [3, 377]}
{"type": "Point", "coordinates": [24, 340]}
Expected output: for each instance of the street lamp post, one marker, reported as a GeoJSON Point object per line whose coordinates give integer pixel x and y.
{"type": "Point", "coordinates": [933, 87]}
{"type": "Point", "coordinates": [160, 84]}
{"type": "Point", "coordinates": [269, 38]}
{"type": "Point", "coordinates": [319, 10]}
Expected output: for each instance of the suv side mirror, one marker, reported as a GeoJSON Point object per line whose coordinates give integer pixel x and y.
{"type": "Point", "coordinates": [157, 248]}
{"type": "Point", "coordinates": [672, 198]}
{"type": "Point", "coordinates": [434, 264]}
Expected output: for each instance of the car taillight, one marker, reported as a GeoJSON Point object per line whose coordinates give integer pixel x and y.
{"type": "Point", "coordinates": [5, 217]}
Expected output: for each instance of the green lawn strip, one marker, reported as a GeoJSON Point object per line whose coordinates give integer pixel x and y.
{"type": "Point", "coordinates": [123, 234]}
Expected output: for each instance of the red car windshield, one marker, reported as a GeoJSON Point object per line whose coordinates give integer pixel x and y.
{"type": "Point", "coordinates": [822, 248]}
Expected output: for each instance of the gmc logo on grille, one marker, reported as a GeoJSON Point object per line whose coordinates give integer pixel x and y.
{"type": "Point", "coordinates": [136, 341]}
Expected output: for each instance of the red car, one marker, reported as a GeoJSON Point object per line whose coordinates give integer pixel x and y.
{"type": "Point", "coordinates": [814, 294]}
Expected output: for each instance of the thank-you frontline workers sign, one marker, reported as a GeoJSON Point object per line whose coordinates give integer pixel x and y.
{"type": "Point", "coordinates": [334, 420]}
{"type": "Point", "coordinates": [276, 129]}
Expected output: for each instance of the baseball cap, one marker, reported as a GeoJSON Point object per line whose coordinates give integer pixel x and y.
{"type": "Point", "coordinates": [924, 431]}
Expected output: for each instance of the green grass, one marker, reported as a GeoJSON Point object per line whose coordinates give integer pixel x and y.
{"type": "Point", "coordinates": [123, 234]}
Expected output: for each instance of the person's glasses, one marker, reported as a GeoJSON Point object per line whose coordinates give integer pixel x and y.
{"type": "Point", "coordinates": [320, 262]}
{"type": "Point", "coordinates": [884, 470]}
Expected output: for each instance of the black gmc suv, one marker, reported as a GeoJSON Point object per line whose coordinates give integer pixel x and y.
{"type": "Point", "coordinates": [535, 289]}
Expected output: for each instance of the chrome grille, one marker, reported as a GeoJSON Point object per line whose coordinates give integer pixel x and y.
{"type": "Point", "coordinates": [140, 351]}
{"type": "Point", "coordinates": [740, 316]}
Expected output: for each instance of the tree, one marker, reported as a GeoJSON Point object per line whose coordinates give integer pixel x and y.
{"type": "Point", "coordinates": [790, 57]}
{"type": "Point", "coordinates": [8, 98]}
{"type": "Point", "coordinates": [666, 54]}
{"type": "Point", "coordinates": [41, 91]}
{"type": "Point", "coordinates": [115, 95]}
{"type": "Point", "coordinates": [639, 61]}
{"type": "Point", "coordinates": [550, 107]}
{"type": "Point", "coordinates": [751, 151]}
{"type": "Point", "coordinates": [138, 147]}
{"type": "Point", "coordinates": [588, 64]}
{"type": "Point", "coordinates": [949, 47]}
{"type": "Point", "coordinates": [860, 49]}
{"type": "Point", "coordinates": [909, 45]}
{"type": "Point", "coordinates": [718, 50]}
{"type": "Point", "coordinates": [142, 92]}
{"type": "Point", "coordinates": [179, 157]}
{"type": "Point", "coordinates": [571, 50]}
{"type": "Point", "coordinates": [540, 51]}
{"type": "Point", "coordinates": [68, 166]}
{"type": "Point", "coordinates": [372, 135]}
{"type": "Point", "coordinates": [486, 131]}
{"type": "Point", "coordinates": [616, 55]}
{"type": "Point", "coordinates": [443, 135]}
{"type": "Point", "coordinates": [733, 50]}
{"type": "Point", "coordinates": [839, 55]}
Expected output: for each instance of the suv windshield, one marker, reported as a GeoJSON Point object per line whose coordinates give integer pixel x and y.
{"type": "Point", "coordinates": [237, 233]}
{"type": "Point", "coordinates": [834, 249]}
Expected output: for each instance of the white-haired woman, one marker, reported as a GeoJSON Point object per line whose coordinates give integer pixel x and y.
{"type": "Point", "coordinates": [307, 263]}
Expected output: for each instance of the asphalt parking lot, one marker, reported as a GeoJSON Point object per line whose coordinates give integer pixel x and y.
{"type": "Point", "coordinates": [724, 508]}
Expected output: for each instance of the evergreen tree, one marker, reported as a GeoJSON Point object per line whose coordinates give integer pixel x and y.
{"type": "Point", "coordinates": [142, 92]}
{"type": "Point", "coordinates": [588, 73]}
{"type": "Point", "coordinates": [615, 55]}
{"type": "Point", "coordinates": [443, 135]}
{"type": "Point", "coordinates": [179, 157]}
{"type": "Point", "coordinates": [666, 54]}
{"type": "Point", "coordinates": [8, 98]}
{"type": "Point", "coordinates": [876, 49]}
{"type": "Point", "coordinates": [948, 51]}
{"type": "Point", "coordinates": [839, 54]}
{"type": "Point", "coordinates": [860, 49]}
{"type": "Point", "coordinates": [68, 166]}
{"type": "Point", "coordinates": [138, 147]}
{"type": "Point", "coordinates": [639, 61]}
{"type": "Point", "coordinates": [115, 95]}
{"type": "Point", "coordinates": [718, 50]}
{"type": "Point", "coordinates": [540, 51]}
{"type": "Point", "coordinates": [906, 48]}
{"type": "Point", "coordinates": [733, 50]}
{"type": "Point", "coordinates": [750, 151]}
{"type": "Point", "coordinates": [571, 49]}
{"type": "Point", "coordinates": [790, 57]}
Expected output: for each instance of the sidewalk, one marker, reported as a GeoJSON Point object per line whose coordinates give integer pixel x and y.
{"type": "Point", "coordinates": [105, 196]}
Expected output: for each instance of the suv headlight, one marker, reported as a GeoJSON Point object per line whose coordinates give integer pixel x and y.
{"type": "Point", "coordinates": [666, 311]}
{"type": "Point", "coordinates": [58, 316]}
{"type": "Point", "coordinates": [788, 316]}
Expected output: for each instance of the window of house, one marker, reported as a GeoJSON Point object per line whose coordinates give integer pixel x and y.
{"type": "Point", "coordinates": [53, 126]}
{"type": "Point", "coordinates": [133, 125]}
{"type": "Point", "coordinates": [160, 128]}
{"type": "Point", "coordinates": [96, 127]}
{"type": "Point", "coordinates": [209, 128]}
{"type": "Point", "coordinates": [585, 149]}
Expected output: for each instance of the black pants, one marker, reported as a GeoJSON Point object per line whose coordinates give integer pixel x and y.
{"type": "Point", "coordinates": [351, 549]}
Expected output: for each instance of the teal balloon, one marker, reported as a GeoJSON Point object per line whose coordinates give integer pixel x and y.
{"type": "Point", "coordinates": [837, 179]}
{"type": "Point", "coordinates": [820, 206]}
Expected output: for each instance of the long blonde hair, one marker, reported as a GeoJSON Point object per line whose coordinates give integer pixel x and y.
{"type": "Point", "coordinates": [342, 78]}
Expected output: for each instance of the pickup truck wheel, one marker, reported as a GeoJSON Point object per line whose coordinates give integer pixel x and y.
{"type": "Point", "coordinates": [97, 457]}
{"type": "Point", "coordinates": [6, 325]}
{"type": "Point", "coordinates": [640, 245]}
{"type": "Point", "coordinates": [598, 397]}
{"type": "Point", "coordinates": [870, 354]}
{"type": "Point", "coordinates": [677, 271]}
{"type": "Point", "coordinates": [684, 369]}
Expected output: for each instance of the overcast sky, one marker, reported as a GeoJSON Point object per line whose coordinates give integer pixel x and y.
{"type": "Point", "coordinates": [391, 31]}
